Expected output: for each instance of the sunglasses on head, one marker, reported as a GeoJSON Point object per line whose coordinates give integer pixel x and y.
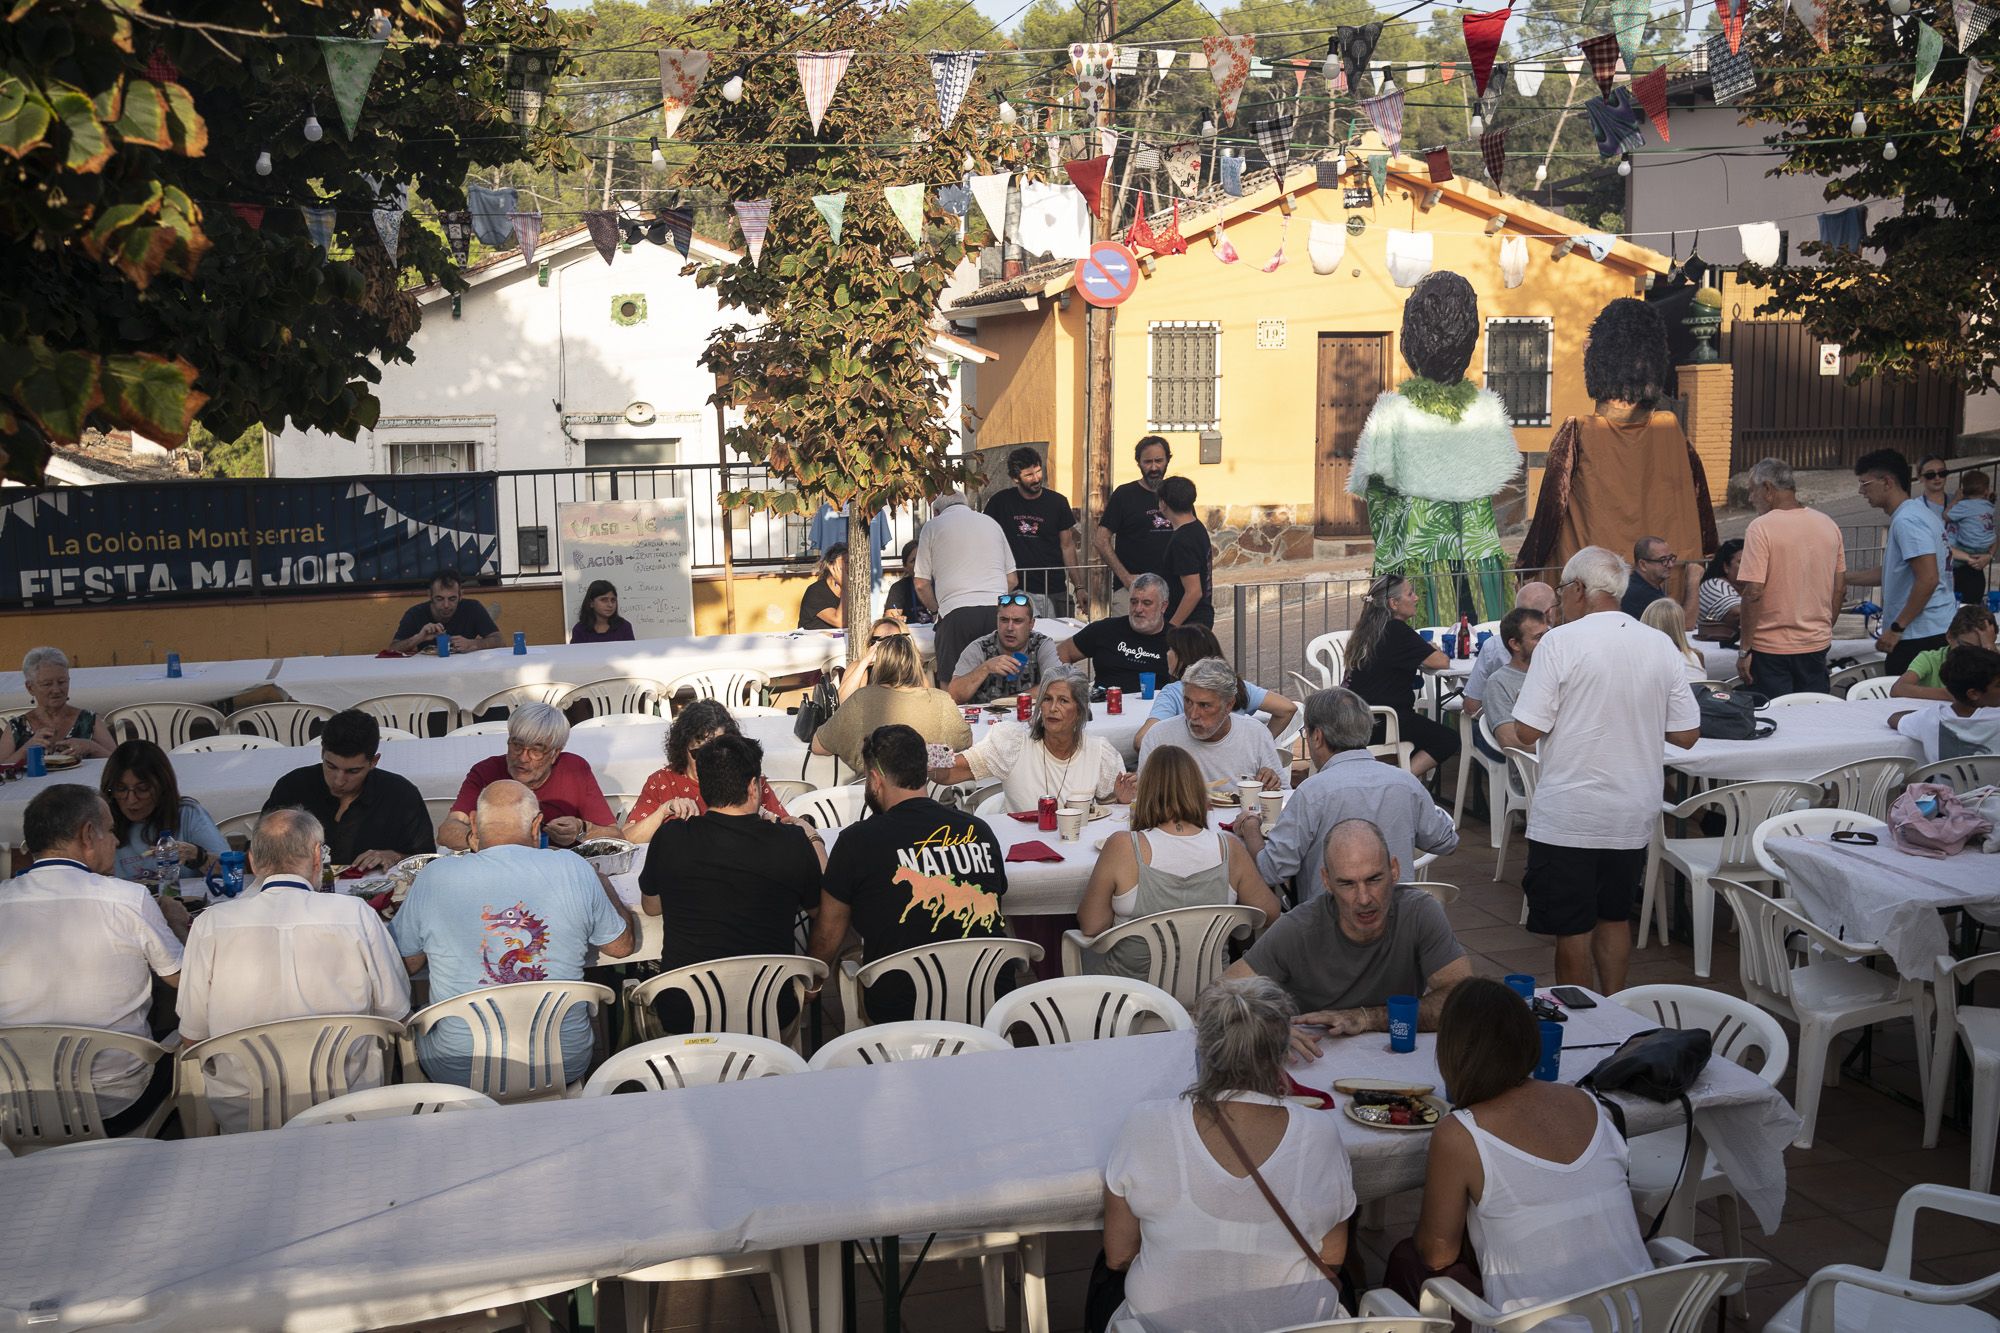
{"type": "Point", "coordinates": [1015, 599]}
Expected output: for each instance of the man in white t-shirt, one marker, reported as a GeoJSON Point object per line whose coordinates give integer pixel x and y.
{"type": "Point", "coordinates": [80, 949]}
{"type": "Point", "coordinates": [1225, 747]}
{"type": "Point", "coordinates": [963, 565]}
{"type": "Point", "coordinates": [1602, 690]}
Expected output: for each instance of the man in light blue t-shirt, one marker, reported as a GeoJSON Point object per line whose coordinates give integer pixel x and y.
{"type": "Point", "coordinates": [1917, 602]}
{"type": "Point", "coordinates": [509, 912]}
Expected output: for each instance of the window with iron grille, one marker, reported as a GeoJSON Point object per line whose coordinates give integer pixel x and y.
{"type": "Point", "coordinates": [1519, 363]}
{"type": "Point", "coordinates": [1184, 375]}
{"type": "Point", "coordinates": [432, 456]}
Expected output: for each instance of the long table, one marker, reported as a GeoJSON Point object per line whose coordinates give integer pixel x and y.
{"type": "Point", "coordinates": [371, 1223]}
{"type": "Point", "coordinates": [1810, 739]}
{"type": "Point", "coordinates": [1889, 896]}
{"type": "Point", "coordinates": [1721, 661]}
{"type": "Point", "coordinates": [103, 688]}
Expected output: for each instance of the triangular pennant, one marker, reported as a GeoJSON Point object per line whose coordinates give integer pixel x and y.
{"type": "Point", "coordinates": [753, 218]}
{"type": "Point", "coordinates": [319, 225]}
{"type": "Point", "coordinates": [1385, 113]}
{"type": "Point", "coordinates": [457, 224]}
{"type": "Point", "coordinates": [1447, 71]}
{"type": "Point", "coordinates": [1090, 66]}
{"type": "Point", "coordinates": [350, 68]}
{"type": "Point", "coordinates": [1107, 141]}
{"type": "Point", "coordinates": [1126, 61]}
{"type": "Point", "coordinates": [1628, 24]}
{"type": "Point", "coordinates": [1326, 242]}
{"type": "Point", "coordinates": [1164, 57]}
{"type": "Point", "coordinates": [1573, 62]}
{"type": "Point", "coordinates": [681, 73]}
{"type": "Point", "coordinates": [832, 207]}
{"type": "Point", "coordinates": [1487, 104]}
{"type": "Point", "coordinates": [1493, 151]}
{"type": "Point", "coordinates": [951, 79]}
{"type": "Point", "coordinates": [1650, 89]}
{"type": "Point", "coordinates": [1354, 45]}
{"type": "Point", "coordinates": [389, 228]}
{"type": "Point", "coordinates": [529, 69]}
{"type": "Point", "coordinates": [1614, 119]}
{"type": "Point", "coordinates": [1482, 41]}
{"type": "Point", "coordinates": [1973, 21]}
{"type": "Point", "coordinates": [1813, 15]}
{"type": "Point", "coordinates": [1228, 65]}
{"type": "Point", "coordinates": [907, 203]}
{"type": "Point", "coordinates": [1730, 74]}
{"type": "Point", "coordinates": [1930, 45]}
{"type": "Point", "coordinates": [1732, 22]}
{"type": "Point", "coordinates": [1976, 71]}
{"type": "Point", "coordinates": [1232, 174]}
{"type": "Point", "coordinates": [1088, 177]}
{"type": "Point", "coordinates": [527, 234]}
{"type": "Point", "coordinates": [1602, 52]}
{"type": "Point", "coordinates": [1184, 167]}
{"type": "Point", "coordinates": [819, 74]}
{"type": "Point", "coordinates": [252, 215]}
{"type": "Point", "coordinates": [990, 193]}
{"type": "Point", "coordinates": [1378, 171]}
{"type": "Point", "coordinates": [1528, 79]}
{"type": "Point", "coordinates": [1274, 137]}
{"type": "Point", "coordinates": [1439, 161]}
{"type": "Point", "coordinates": [602, 224]}
{"type": "Point", "coordinates": [492, 210]}
{"type": "Point", "coordinates": [1414, 76]}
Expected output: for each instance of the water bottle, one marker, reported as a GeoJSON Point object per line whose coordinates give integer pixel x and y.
{"type": "Point", "coordinates": [166, 864]}
{"type": "Point", "coordinates": [1869, 612]}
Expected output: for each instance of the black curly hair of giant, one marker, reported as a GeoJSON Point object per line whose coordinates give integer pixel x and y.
{"type": "Point", "coordinates": [1626, 360]}
{"type": "Point", "coordinates": [1441, 327]}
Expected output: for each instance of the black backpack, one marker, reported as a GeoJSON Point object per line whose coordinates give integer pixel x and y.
{"type": "Point", "coordinates": [1731, 715]}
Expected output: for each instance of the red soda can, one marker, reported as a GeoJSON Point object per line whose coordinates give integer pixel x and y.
{"type": "Point", "coordinates": [1114, 700]}
{"type": "Point", "coordinates": [1045, 814]}
{"type": "Point", "coordinates": [1024, 706]}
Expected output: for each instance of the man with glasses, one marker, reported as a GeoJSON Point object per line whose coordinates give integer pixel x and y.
{"type": "Point", "coordinates": [573, 806]}
{"type": "Point", "coordinates": [371, 818]}
{"type": "Point", "coordinates": [1917, 603]}
{"type": "Point", "coordinates": [963, 565]}
{"type": "Point", "coordinates": [1653, 565]}
{"type": "Point", "coordinates": [1009, 661]}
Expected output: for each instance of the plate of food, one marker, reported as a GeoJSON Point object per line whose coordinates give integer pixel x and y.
{"type": "Point", "coordinates": [57, 763]}
{"type": "Point", "coordinates": [1225, 799]}
{"type": "Point", "coordinates": [609, 856]}
{"type": "Point", "coordinates": [999, 706]}
{"type": "Point", "coordinates": [1394, 1110]}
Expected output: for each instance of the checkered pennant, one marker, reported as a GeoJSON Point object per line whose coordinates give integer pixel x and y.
{"type": "Point", "coordinates": [529, 69]}
{"type": "Point", "coordinates": [1651, 91]}
{"type": "Point", "coordinates": [1327, 174]}
{"type": "Point", "coordinates": [1730, 74]}
{"type": "Point", "coordinates": [1274, 137]}
{"type": "Point", "coordinates": [1439, 161]}
{"type": "Point", "coordinates": [1602, 51]}
{"type": "Point", "coordinates": [1732, 23]}
{"type": "Point", "coordinates": [1973, 21]}
{"type": "Point", "coordinates": [1385, 113]}
{"type": "Point", "coordinates": [1493, 151]}
{"type": "Point", "coordinates": [819, 74]}
{"type": "Point", "coordinates": [951, 79]}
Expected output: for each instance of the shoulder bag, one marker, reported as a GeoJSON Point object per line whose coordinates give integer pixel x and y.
{"type": "Point", "coordinates": [1298, 1237]}
{"type": "Point", "coordinates": [1660, 1065]}
{"type": "Point", "coordinates": [1731, 715]}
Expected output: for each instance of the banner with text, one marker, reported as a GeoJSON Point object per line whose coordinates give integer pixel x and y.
{"type": "Point", "coordinates": [212, 539]}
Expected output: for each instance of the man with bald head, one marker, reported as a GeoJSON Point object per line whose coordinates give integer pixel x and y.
{"type": "Point", "coordinates": [1494, 654]}
{"type": "Point", "coordinates": [1344, 953]}
{"type": "Point", "coordinates": [508, 912]}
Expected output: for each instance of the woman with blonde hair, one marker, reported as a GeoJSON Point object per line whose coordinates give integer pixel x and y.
{"type": "Point", "coordinates": [1169, 859]}
{"type": "Point", "coordinates": [1664, 614]}
{"type": "Point", "coordinates": [898, 691]}
{"type": "Point", "coordinates": [857, 675]}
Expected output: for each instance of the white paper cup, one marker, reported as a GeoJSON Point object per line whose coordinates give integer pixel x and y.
{"type": "Point", "coordinates": [1272, 804]}
{"type": "Point", "coordinates": [1247, 792]}
{"type": "Point", "coordinates": [1069, 823]}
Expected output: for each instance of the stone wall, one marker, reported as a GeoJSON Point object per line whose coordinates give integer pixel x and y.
{"type": "Point", "coordinates": [1250, 536]}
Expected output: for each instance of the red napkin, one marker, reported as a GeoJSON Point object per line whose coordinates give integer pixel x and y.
{"type": "Point", "coordinates": [391, 652]}
{"type": "Point", "coordinates": [1033, 850]}
{"type": "Point", "coordinates": [1298, 1089]}
{"type": "Point", "coordinates": [1228, 826]}
{"type": "Point", "coordinates": [354, 872]}
{"type": "Point", "coordinates": [1025, 816]}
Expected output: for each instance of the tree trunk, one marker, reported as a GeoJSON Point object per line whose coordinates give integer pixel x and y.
{"type": "Point", "coordinates": [857, 596]}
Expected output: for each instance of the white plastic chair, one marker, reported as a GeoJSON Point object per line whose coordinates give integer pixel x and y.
{"type": "Point", "coordinates": [1963, 774]}
{"type": "Point", "coordinates": [1327, 654]}
{"type": "Point", "coordinates": [790, 789]}
{"type": "Point", "coordinates": [1847, 1298]}
{"type": "Point", "coordinates": [1524, 770]}
{"type": "Point", "coordinates": [398, 1099]}
{"type": "Point", "coordinates": [225, 741]}
{"type": "Point", "coordinates": [739, 687]}
{"type": "Point", "coordinates": [1674, 1298]}
{"type": "Point", "coordinates": [1978, 1026]}
{"type": "Point", "coordinates": [1867, 785]}
{"type": "Point", "coordinates": [398, 734]}
{"type": "Point", "coordinates": [832, 807]}
{"type": "Point", "coordinates": [1392, 745]}
{"type": "Point", "coordinates": [239, 826]}
{"type": "Point", "coordinates": [993, 805]}
{"type": "Point", "coordinates": [617, 694]}
{"type": "Point", "coordinates": [481, 729]}
{"type": "Point", "coordinates": [955, 980]}
{"type": "Point", "coordinates": [702, 1061]}
{"type": "Point", "coordinates": [1843, 681]}
{"type": "Point", "coordinates": [972, 797]}
{"type": "Point", "coordinates": [420, 715]}
{"type": "Point", "coordinates": [166, 725]}
{"type": "Point", "coordinates": [1446, 894]}
{"type": "Point", "coordinates": [1743, 806]}
{"type": "Point", "coordinates": [47, 1094]}
{"type": "Point", "coordinates": [1872, 687]}
{"type": "Point", "coordinates": [289, 1066]}
{"type": "Point", "coordinates": [1501, 797]}
{"type": "Point", "coordinates": [1802, 698]}
{"type": "Point", "coordinates": [597, 720]}
{"type": "Point", "coordinates": [887, 1043]}
{"type": "Point", "coordinates": [285, 723]}
{"type": "Point", "coordinates": [517, 1050]}
{"type": "Point", "coordinates": [1831, 993]}
{"type": "Point", "coordinates": [1744, 1034]}
{"type": "Point", "coordinates": [1185, 946]}
{"type": "Point", "coordinates": [738, 994]}
{"type": "Point", "coordinates": [1364, 1324]}
{"type": "Point", "coordinates": [1802, 824]}
{"type": "Point", "coordinates": [537, 692]}
{"type": "Point", "coordinates": [1086, 1009]}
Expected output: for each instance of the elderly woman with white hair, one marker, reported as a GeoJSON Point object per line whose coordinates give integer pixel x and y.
{"type": "Point", "coordinates": [1203, 1249]}
{"type": "Point", "coordinates": [1051, 755]}
{"type": "Point", "coordinates": [53, 722]}
{"type": "Point", "coordinates": [573, 806]}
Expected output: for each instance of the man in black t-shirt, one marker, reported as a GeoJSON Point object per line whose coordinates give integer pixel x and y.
{"type": "Point", "coordinates": [731, 881]}
{"type": "Point", "coordinates": [372, 819]}
{"type": "Point", "coordinates": [1120, 648]}
{"type": "Point", "coordinates": [447, 612]}
{"type": "Point", "coordinates": [1040, 528]}
{"type": "Point", "coordinates": [1190, 558]}
{"type": "Point", "coordinates": [914, 872]}
{"type": "Point", "coordinates": [1132, 533]}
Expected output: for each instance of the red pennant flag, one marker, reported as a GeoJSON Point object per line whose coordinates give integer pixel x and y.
{"type": "Point", "coordinates": [252, 215]}
{"type": "Point", "coordinates": [1732, 22]}
{"type": "Point", "coordinates": [1482, 42]}
{"type": "Point", "coordinates": [1651, 92]}
{"type": "Point", "coordinates": [1088, 176]}
{"type": "Point", "coordinates": [1440, 165]}
{"type": "Point", "coordinates": [1447, 71]}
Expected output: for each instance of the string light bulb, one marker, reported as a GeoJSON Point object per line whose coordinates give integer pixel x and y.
{"type": "Point", "coordinates": [1625, 165]}
{"type": "Point", "coordinates": [1899, 7]}
{"type": "Point", "coordinates": [1478, 124]}
{"type": "Point", "coordinates": [1859, 125]}
{"type": "Point", "coordinates": [1541, 172]}
{"type": "Point", "coordinates": [1207, 129]}
{"type": "Point", "coordinates": [732, 91]}
{"type": "Point", "coordinates": [659, 158]}
{"type": "Point", "coordinates": [264, 163]}
{"type": "Point", "coordinates": [380, 26]}
{"type": "Point", "coordinates": [312, 128]}
{"type": "Point", "coordinates": [1008, 115]}
{"type": "Point", "coordinates": [1889, 151]}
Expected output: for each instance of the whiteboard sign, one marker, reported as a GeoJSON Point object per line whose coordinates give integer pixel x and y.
{"type": "Point", "coordinates": [645, 549]}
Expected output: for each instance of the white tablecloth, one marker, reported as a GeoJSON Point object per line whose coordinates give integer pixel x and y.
{"type": "Point", "coordinates": [1721, 661]}
{"type": "Point", "coordinates": [101, 689]}
{"type": "Point", "coordinates": [339, 1227]}
{"type": "Point", "coordinates": [1810, 739]}
{"type": "Point", "coordinates": [1888, 896]}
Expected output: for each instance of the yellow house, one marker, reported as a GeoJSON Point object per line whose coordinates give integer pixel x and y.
{"type": "Point", "coordinates": [1261, 380]}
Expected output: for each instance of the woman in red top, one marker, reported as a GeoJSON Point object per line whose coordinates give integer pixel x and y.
{"type": "Point", "coordinates": [672, 792]}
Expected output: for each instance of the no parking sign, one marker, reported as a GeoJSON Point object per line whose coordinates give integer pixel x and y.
{"type": "Point", "coordinates": [1108, 274]}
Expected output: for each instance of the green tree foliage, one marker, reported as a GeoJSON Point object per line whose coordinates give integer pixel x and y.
{"type": "Point", "coordinates": [240, 457]}
{"type": "Point", "coordinates": [132, 293]}
{"type": "Point", "coordinates": [1922, 295]}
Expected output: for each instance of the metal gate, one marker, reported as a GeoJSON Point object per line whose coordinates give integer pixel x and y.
{"type": "Point", "coordinates": [1787, 408]}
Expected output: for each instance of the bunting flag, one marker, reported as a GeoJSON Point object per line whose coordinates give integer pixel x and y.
{"type": "Point", "coordinates": [388, 216]}
{"type": "Point", "coordinates": [1326, 242]}
{"type": "Point", "coordinates": [1385, 113]}
{"type": "Point", "coordinates": [1259, 68]}
{"type": "Point", "coordinates": [955, 200]}
{"type": "Point", "coordinates": [832, 207]}
{"type": "Point", "coordinates": [1378, 171]}
{"type": "Point", "coordinates": [1326, 175]}
{"type": "Point", "coordinates": [350, 68]}
{"type": "Point", "coordinates": [1414, 76]}
{"type": "Point", "coordinates": [1614, 119]}
{"type": "Point", "coordinates": [1628, 26]}
{"type": "Point", "coordinates": [1813, 16]}
{"type": "Point", "coordinates": [602, 224]}
{"type": "Point", "coordinates": [1225, 249]}
{"type": "Point", "coordinates": [1088, 177]}
{"type": "Point", "coordinates": [1976, 71]}
{"type": "Point", "coordinates": [458, 234]}
{"type": "Point", "coordinates": [1228, 65]}
{"type": "Point", "coordinates": [1274, 137]}
{"type": "Point", "coordinates": [1487, 105]}
{"type": "Point", "coordinates": [1354, 45]}
{"type": "Point", "coordinates": [1650, 91]}
{"type": "Point", "coordinates": [1277, 259]}
{"type": "Point", "coordinates": [1164, 57]}
{"type": "Point", "coordinates": [1447, 71]}
{"type": "Point", "coordinates": [907, 203]}
{"type": "Point", "coordinates": [1439, 161]}
{"type": "Point", "coordinates": [1090, 66]}
{"type": "Point", "coordinates": [681, 73]}
{"type": "Point", "coordinates": [1197, 60]}
{"type": "Point", "coordinates": [1573, 62]}
{"type": "Point", "coordinates": [1602, 52]}
{"type": "Point", "coordinates": [753, 219]}
{"type": "Point", "coordinates": [951, 79]}
{"type": "Point", "coordinates": [1482, 41]}
{"type": "Point", "coordinates": [1513, 260]}
{"type": "Point", "coordinates": [1493, 151]}
{"type": "Point", "coordinates": [251, 214]}
{"type": "Point", "coordinates": [1232, 174]}
{"type": "Point", "coordinates": [1184, 167]}
{"type": "Point", "coordinates": [527, 234]}
{"type": "Point", "coordinates": [990, 193]}
{"type": "Point", "coordinates": [492, 212]}
{"type": "Point", "coordinates": [819, 74]}
{"type": "Point", "coordinates": [1126, 62]}
{"type": "Point", "coordinates": [529, 69]}
{"type": "Point", "coordinates": [1528, 79]}
{"type": "Point", "coordinates": [1730, 74]}
{"type": "Point", "coordinates": [1732, 22]}
{"type": "Point", "coordinates": [1146, 158]}
{"type": "Point", "coordinates": [1930, 45]}
{"type": "Point", "coordinates": [1973, 21]}
{"type": "Point", "coordinates": [680, 226]}
{"type": "Point", "coordinates": [1107, 141]}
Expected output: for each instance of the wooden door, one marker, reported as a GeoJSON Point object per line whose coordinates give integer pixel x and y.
{"type": "Point", "coordinates": [1353, 370]}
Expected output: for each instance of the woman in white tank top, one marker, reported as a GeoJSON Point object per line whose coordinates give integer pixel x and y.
{"type": "Point", "coordinates": [1532, 1175]}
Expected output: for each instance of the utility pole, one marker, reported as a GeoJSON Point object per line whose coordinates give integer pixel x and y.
{"type": "Point", "coordinates": [1097, 329]}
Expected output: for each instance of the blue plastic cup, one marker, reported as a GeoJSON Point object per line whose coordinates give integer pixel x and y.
{"type": "Point", "coordinates": [1521, 984]}
{"type": "Point", "coordinates": [38, 765]}
{"type": "Point", "coordinates": [1549, 1068]}
{"type": "Point", "coordinates": [444, 645]}
{"type": "Point", "coordinates": [173, 666]}
{"type": "Point", "coordinates": [1428, 634]}
{"type": "Point", "coordinates": [520, 643]}
{"type": "Point", "coordinates": [1451, 644]}
{"type": "Point", "coordinates": [1993, 602]}
{"type": "Point", "coordinates": [1403, 1023]}
{"type": "Point", "coordinates": [1484, 635]}
{"type": "Point", "coordinates": [1146, 684]}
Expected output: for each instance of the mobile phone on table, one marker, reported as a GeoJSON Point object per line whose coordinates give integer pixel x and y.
{"type": "Point", "coordinates": [1572, 998]}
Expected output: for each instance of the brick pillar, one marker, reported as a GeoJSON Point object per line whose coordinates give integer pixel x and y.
{"type": "Point", "coordinates": [1710, 391]}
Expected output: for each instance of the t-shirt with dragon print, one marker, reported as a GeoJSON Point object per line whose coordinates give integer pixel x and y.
{"type": "Point", "coordinates": [914, 874]}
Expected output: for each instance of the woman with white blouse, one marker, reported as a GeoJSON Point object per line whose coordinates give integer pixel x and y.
{"type": "Point", "coordinates": [1050, 755]}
